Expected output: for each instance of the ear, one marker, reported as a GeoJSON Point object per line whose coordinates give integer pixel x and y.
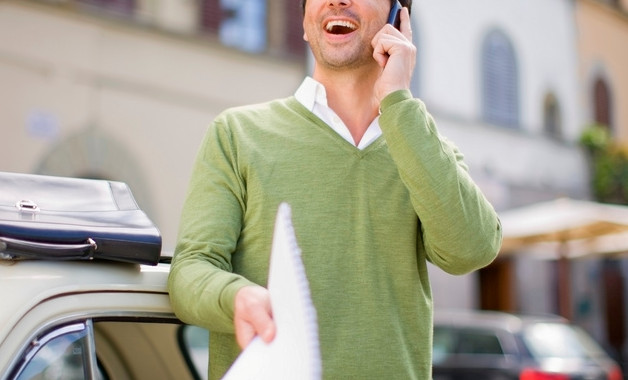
{"type": "Point", "coordinates": [303, 26]}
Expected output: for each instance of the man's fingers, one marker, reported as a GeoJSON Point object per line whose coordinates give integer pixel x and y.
{"type": "Point", "coordinates": [389, 38]}
{"type": "Point", "coordinates": [406, 26]}
{"type": "Point", "coordinates": [244, 333]}
{"type": "Point", "coordinates": [263, 325]}
{"type": "Point", "coordinates": [253, 315]}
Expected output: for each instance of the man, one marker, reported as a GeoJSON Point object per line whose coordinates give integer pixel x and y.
{"type": "Point", "coordinates": [375, 193]}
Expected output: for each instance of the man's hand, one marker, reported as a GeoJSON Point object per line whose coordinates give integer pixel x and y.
{"type": "Point", "coordinates": [396, 54]}
{"type": "Point", "coordinates": [253, 315]}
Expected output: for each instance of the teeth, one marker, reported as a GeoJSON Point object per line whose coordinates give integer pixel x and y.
{"type": "Point", "coordinates": [344, 24]}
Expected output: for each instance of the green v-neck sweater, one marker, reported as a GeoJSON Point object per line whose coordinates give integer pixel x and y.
{"type": "Point", "coordinates": [367, 221]}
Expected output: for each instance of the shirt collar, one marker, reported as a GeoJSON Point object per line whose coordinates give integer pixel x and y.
{"type": "Point", "coordinates": [311, 92]}
{"type": "Point", "coordinates": [312, 95]}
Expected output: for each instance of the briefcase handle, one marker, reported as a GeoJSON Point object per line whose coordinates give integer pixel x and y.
{"type": "Point", "coordinates": [11, 248]}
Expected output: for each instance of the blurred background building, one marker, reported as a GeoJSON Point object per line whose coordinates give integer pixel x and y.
{"type": "Point", "coordinates": [124, 90]}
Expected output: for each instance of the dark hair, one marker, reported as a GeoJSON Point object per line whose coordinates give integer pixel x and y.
{"type": "Point", "coordinates": [404, 3]}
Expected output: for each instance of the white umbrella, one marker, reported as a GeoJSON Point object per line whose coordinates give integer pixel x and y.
{"type": "Point", "coordinates": [572, 227]}
{"type": "Point", "coordinates": [562, 220]}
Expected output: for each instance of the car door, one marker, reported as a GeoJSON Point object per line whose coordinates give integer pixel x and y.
{"type": "Point", "coordinates": [64, 352]}
{"type": "Point", "coordinates": [470, 354]}
{"type": "Point", "coordinates": [118, 347]}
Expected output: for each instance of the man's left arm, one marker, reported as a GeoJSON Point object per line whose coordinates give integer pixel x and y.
{"type": "Point", "coordinates": [461, 230]}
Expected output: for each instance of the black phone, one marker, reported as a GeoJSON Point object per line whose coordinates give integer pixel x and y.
{"type": "Point", "coordinates": [394, 15]}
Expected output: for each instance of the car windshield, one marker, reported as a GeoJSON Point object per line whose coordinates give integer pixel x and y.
{"type": "Point", "coordinates": [557, 340]}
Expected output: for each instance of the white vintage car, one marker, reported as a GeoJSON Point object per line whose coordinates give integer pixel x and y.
{"type": "Point", "coordinates": [93, 320]}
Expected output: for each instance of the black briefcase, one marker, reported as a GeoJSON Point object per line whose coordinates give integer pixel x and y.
{"type": "Point", "coordinates": [63, 218]}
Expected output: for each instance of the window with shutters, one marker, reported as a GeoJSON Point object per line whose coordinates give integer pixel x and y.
{"type": "Point", "coordinates": [500, 81]}
{"type": "Point", "coordinates": [255, 26]}
{"type": "Point", "coordinates": [602, 103]}
{"type": "Point", "coordinates": [239, 23]}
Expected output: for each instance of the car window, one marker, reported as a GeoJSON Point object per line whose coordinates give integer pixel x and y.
{"type": "Point", "coordinates": [194, 343]}
{"type": "Point", "coordinates": [479, 342]}
{"type": "Point", "coordinates": [63, 353]}
{"type": "Point", "coordinates": [460, 341]}
{"type": "Point", "coordinates": [559, 340]}
{"type": "Point", "coordinates": [142, 349]}
{"type": "Point", "coordinates": [138, 347]}
{"type": "Point", "coordinates": [444, 344]}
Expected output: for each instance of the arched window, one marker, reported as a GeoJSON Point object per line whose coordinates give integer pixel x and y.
{"type": "Point", "coordinates": [552, 117]}
{"type": "Point", "coordinates": [602, 103]}
{"type": "Point", "coordinates": [500, 81]}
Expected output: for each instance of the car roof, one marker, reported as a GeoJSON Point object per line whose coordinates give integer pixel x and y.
{"type": "Point", "coordinates": [27, 283]}
{"type": "Point", "coordinates": [491, 319]}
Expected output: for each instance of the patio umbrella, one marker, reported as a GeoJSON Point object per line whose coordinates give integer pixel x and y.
{"type": "Point", "coordinates": [561, 220]}
{"type": "Point", "coordinates": [573, 227]}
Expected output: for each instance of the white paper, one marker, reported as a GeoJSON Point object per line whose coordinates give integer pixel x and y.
{"type": "Point", "coordinates": [295, 352]}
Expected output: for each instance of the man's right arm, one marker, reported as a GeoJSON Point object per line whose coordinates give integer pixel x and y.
{"type": "Point", "coordinates": [202, 284]}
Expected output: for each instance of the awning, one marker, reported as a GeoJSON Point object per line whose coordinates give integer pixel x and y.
{"type": "Point", "coordinates": [564, 229]}
{"type": "Point", "coordinates": [580, 225]}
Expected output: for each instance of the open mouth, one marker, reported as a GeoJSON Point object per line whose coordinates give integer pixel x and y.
{"type": "Point", "coordinates": [340, 27]}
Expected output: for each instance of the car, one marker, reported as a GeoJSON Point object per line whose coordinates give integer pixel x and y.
{"type": "Point", "coordinates": [94, 320]}
{"type": "Point", "coordinates": [474, 345]}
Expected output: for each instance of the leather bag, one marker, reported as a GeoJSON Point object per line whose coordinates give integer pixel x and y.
{"type": "Point", "coordinates": [62, 218]}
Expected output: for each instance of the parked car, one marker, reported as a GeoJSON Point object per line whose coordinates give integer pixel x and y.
{"type": "Point", "coordinates": [93, 320]}
{"type": "Point", "coordinates": [474, 345]}
{"type": "Point", "coordinates": [107, 320]}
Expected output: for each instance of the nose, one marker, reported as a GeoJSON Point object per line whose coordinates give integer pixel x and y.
{"type": "Point", "coordinates": [339, 3]}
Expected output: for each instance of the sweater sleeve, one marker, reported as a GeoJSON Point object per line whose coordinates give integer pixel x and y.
{"type": "Point", "coordinates": [201, 283]}
{"type": "Point", "coordinates": [461, 230]}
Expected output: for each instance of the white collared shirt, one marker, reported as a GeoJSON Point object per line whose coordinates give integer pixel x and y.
{"type": "Point", "coordinates": [313, 96]}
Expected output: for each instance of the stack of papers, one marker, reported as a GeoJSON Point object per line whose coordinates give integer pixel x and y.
{"type": "Point", "coordinates": [295, 352]}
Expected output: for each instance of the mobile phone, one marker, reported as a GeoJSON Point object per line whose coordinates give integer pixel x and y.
{"type": "Point", "coordinates": [394, 15]}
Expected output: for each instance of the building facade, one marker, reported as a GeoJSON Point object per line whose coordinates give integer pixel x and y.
{"type": "Point", "coordinates": [124, 90]}
{"type": "Point", "coordinates": [603, 56]}
{"type": "Point", "coordinates": [501, 78]}
{"type": "Point", "coordinates": [600, 301]}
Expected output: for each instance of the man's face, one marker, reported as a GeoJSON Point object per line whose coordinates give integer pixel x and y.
{"type": "Point", "coordinates": [340, 32]}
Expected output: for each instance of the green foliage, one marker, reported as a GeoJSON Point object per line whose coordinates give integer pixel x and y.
{"type": "Point", "coordinates": [609, 165]}
{"type": "Point", "coordinates": [595, 138]}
